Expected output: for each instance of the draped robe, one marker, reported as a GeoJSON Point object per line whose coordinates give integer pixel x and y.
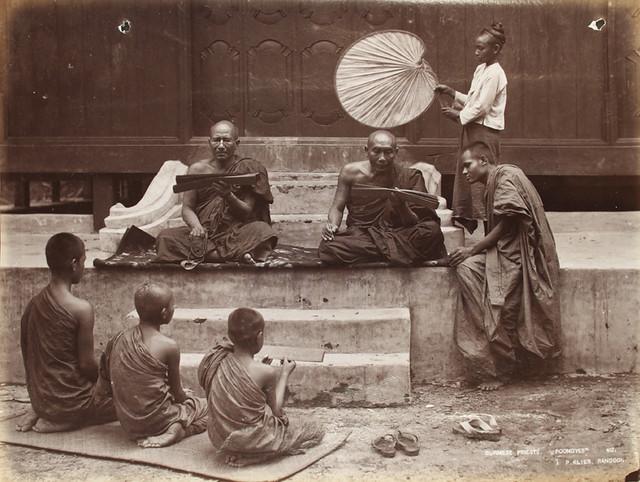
{"type": "Point", "coordinates": [228, 235]}
{"type": "Point", "coordinates": [141, 393]}
{"type": "Point", "coordinates": [375, 231]}
{"type": "Point", "coordinates": [58, 390]}
{"type": "Point", "coordinates": [508, 300]}
{"type": "Point", "coordinates": [240, 420]}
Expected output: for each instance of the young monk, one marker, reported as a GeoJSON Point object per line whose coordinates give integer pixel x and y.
{"type": "Point", "coordinates": [56, 337]}
{"type": "Point", "coordinates": [245, 397]}
{"type": "Point", "coordinates": [508, 312]}
{"type": "Point", "coordinates": [144, 370]}
{"type": "Point", "coordinates": [481, 114]}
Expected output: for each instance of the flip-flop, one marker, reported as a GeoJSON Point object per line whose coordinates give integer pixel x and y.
{"type": "Point", "coordinates": [385, 445]}
{"type": "Point", "coordinates": [408, 443]}
{"type": "Point", "coordinates": [475, 427]}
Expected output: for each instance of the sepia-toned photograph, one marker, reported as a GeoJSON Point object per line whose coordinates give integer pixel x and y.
{"type": "Point", "coordinates": [320, 240]}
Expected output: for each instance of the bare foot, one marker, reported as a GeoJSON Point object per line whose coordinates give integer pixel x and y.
{"type": "Point", "coordinates": [248, 259]}
{"type": "Point", "coordinates": [46, 426]}
{"type": "Point", "coordinates": [173, 435]}
{"type": "Point", "coordinates": [236, 460]}
{"type": "Point", "coordinates": [27, 421]}
{"type": "Point", "coordinates": [490, 386]}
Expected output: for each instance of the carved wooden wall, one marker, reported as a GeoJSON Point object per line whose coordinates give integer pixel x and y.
{"type": "Point", "coordinates": [81, 95]}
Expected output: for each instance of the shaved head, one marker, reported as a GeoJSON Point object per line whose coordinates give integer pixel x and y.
{"type": "Point", "coordinates": [224, 126]}
{"type": "Point", "coordinates": [244, 325]}
{"type": "Point", "coordinates": [381, 136]}
{"type": "Point", "coordinates": [62, 249]}
{"type": "Point", "coordinates": [150, 299]}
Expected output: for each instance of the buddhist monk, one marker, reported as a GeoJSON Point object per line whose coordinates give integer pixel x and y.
{"type": "Point", "coordinates": [56, 337]}
{"type": "Point", "coordinates": [508, 314]}
{"type": "Point", "coordinates": [246, 420]}
{"type": "Point", "coordinates": [223, 222]}
{"type": "Point", "coordinates": [380, 229]}
{"type": "Point", "coordinates": [144, 370]}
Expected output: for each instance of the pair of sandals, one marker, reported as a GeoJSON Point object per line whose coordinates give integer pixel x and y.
{"type": "Point", "coordinates": [387, 444]}
{"type": "Point", "coordinates": [481, 426]}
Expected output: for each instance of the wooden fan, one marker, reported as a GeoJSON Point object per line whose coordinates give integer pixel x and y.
{"type": "Point", "coordinates": [417, 197]}
{"type": "Point", "coordinates": [383, 81]}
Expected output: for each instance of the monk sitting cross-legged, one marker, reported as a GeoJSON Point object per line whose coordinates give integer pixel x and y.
{"type": "Point", "coordinates": [56, 337]}
{"type": "Point", "coordinates": [380, 229]}
{"type": "Point", "coordinates": [144, 369]}
{"type": "Point", "coordinates": [223, 223]}
{"type": "Point", "coordinates": [245, 398]}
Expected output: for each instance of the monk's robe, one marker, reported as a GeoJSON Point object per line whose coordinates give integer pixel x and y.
{"type": "Point", "coordinates": [58, 390]}
{"type": "Point", "coordinates": [508, 308]}
{"type": "Point", "coordinates": [230, 236]}
{"type": "Point", "coordinates": [241, 423]}
{"type": "Point", "coordinates": [375, 231]}
{"type": "Point", "coordinates": [141, 395]}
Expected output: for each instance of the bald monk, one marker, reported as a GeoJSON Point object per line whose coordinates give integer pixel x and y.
{"type": "Point", "coordinates": [508, 312]}
{"type": "Point", "coordinates": [245, 398]}
{"type": "Point", "coordinates": [144, 370]}
{"type": "Point", "coordinates": [230, 223]}
{"type": "Point", "coordinates": [390, 230]}
{"type": "Point", "coordinates": [56, 338]}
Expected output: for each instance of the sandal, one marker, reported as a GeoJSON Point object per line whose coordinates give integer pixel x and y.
{"type": "Point", "coordinates": [479, 427]}
{"type": "Point", "coordinates": [385, 445]}
{"type": "Point", "coordinates": [408, 443]}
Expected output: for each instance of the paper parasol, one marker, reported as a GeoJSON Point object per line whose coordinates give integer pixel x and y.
{"type": "Point", "coordinates": [383, 81]}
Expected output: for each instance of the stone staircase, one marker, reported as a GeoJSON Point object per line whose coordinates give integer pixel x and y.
{"type": "Point", "coordinates": [366, 359]}
{"type": "Point", "coordinates": [299, 210]}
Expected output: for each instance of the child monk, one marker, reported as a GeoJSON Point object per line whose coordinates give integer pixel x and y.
{"type": "Point", "coordinates": [245, 398]}
{"type": "Point", "coordinates": [56, 337]}
{"type": "Point", "coordinates": [144, 370]}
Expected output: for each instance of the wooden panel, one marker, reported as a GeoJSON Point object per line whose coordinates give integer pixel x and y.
{"type": "Point", "coordinates": [627, 67]}
{"type": "Point", "coordinates": [218, 61]}
{"type": "Point", "coordinates": [562, 68]}
{"type": "Point", "coordinates": [511, 61]}
{"type": "Point", "coordinates": [591, 70]}
{"type": "Point", "coordinates": [269, 37]}
{"type": "Point", "coordinates": [535, 71]}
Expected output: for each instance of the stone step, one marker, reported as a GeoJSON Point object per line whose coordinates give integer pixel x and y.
{"type": "Point", "coordinates": [46, 223]}
{"type": "Point", "coordinates": [378, 330]}
{"type": "Point", "coordinates": [295, 229]}
{"type": "Point", "coordinates": [354, 379]}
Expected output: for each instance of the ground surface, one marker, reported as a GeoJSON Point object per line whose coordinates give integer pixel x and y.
{"type": "Point", "coordinates": [595, 418]}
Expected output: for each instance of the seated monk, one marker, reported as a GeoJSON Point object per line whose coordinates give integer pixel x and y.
{"type": "Point", "coordinates": [143, 366]}
{"type": "Point", "coordinates": [380, 229]}
{"type": "Point", "coordinates": [245, 398]}
{"type": "Point", "coordinates": [508, 311]}
{"type": "Point", "coordinates": [223, 223]}
{"type": "Point", "coordinates": [56, 337]}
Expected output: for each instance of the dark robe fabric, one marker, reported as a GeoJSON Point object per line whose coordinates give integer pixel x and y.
{"type": "Point", "coordinates": [468, 199]}
{"type": "Point", "coordinates": [508, 305]}
{"type": "Point", "coordinates": [58, 390]}
{"type": "Point", "coordinates": [241, 423]}
{"type": "Point", "coordinates": [141, 394]}
{"type": "Point", "coordinates": [229, 236]}
{"type": "Point", "coordinates": [375, 231]}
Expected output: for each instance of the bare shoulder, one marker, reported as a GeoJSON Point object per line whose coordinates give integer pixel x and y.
{"type": "Point", "coordinates": [351, 171]}
{"type": "Point", "coordinates": [264, 375]}
{"type": "Point", "coordinates": [199, 167]}
{"type": "Point", "coordinates": [80, 308]}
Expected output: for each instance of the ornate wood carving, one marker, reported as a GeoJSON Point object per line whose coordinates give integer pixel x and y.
{"type": "Point", "coordinates": [318, 99]}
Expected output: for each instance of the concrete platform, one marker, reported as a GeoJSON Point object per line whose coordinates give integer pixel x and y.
{"type": "Point", "coordinates": [361, 379]}
{"type": "Point", "coordinates": [599, 286]}
{"type": "Point", "coordinates": [373, 330]}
